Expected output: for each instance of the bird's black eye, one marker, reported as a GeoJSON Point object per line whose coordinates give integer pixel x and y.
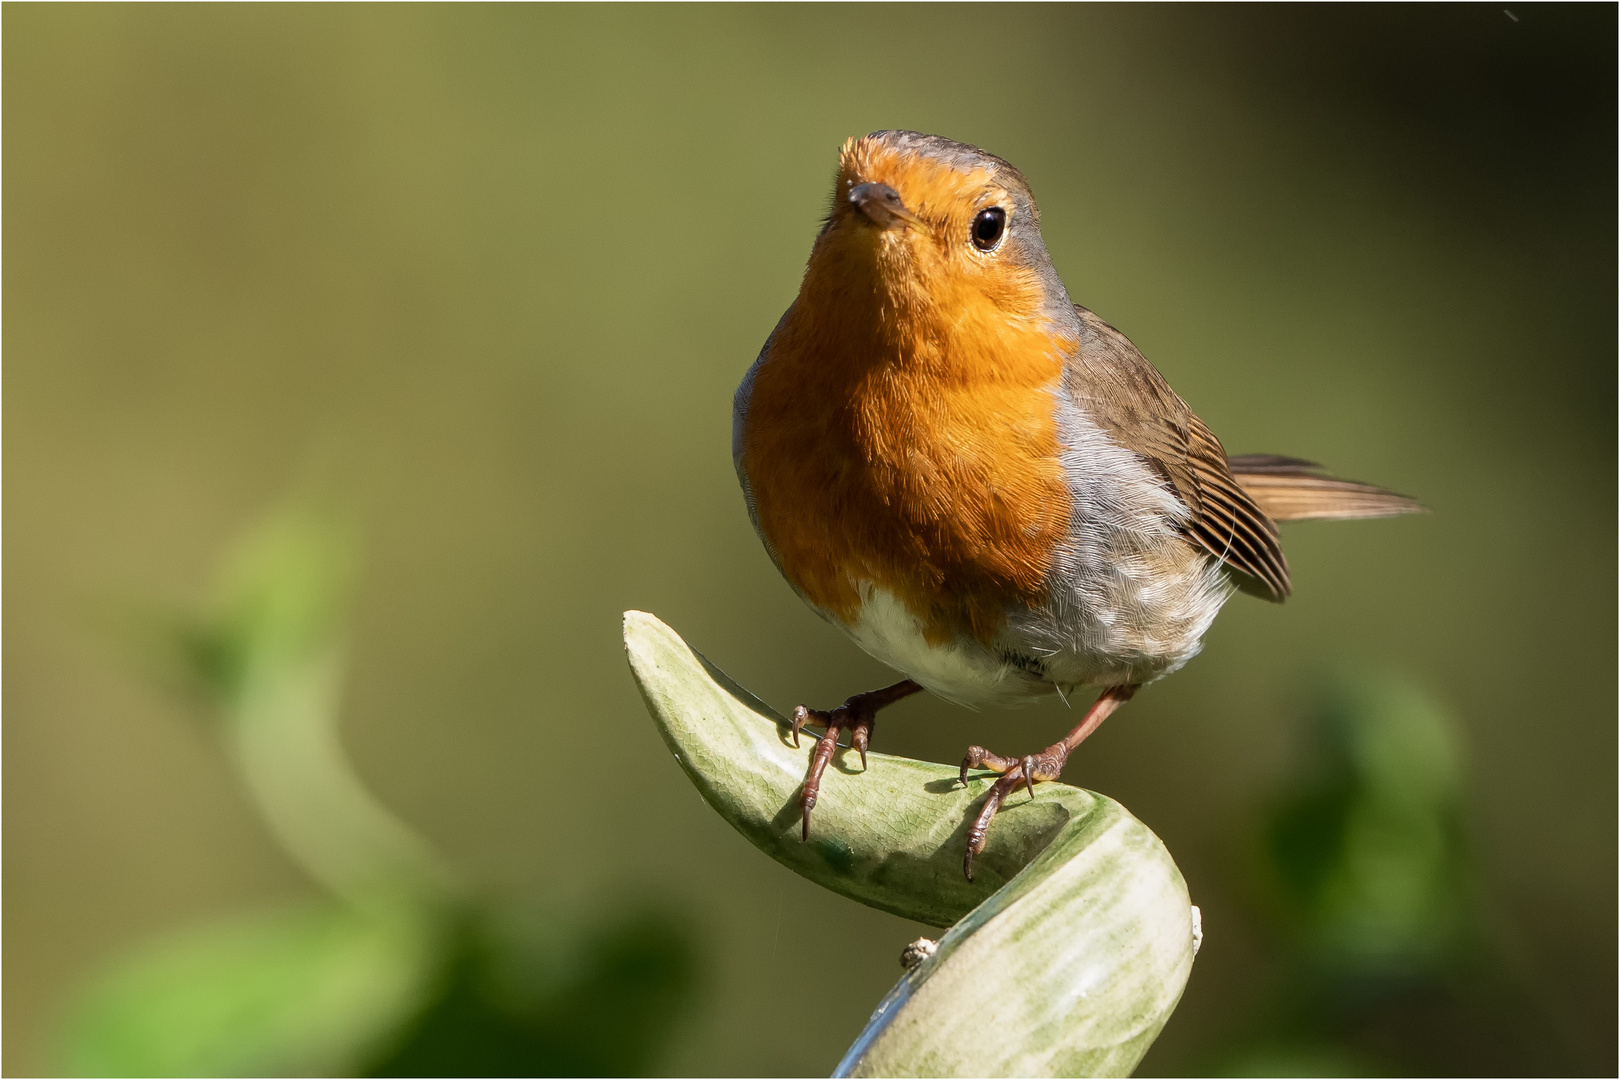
{"type": "Point", "coordinates": [988, 227]}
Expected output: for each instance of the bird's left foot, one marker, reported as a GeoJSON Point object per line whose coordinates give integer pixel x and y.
{"type": "Point", "coordinates": [1023, 772]}
{"type": "Point", "coordinates": [1031, 770]}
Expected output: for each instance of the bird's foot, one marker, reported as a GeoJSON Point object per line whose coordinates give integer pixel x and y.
{"type": "Point", "coordinates": [858, 716]}
{"type": "Point", "coordinates": [1024, 772]}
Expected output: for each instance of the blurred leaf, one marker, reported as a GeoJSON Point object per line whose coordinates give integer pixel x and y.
{"type": "Point", "coordinates": [272, 651]}
{"type": "Point", "coordinates": [401, 981]}
{"type": "Point", "coordinates": [300, 992]}
{"type": "Point", "coordinates": [324, 991]}
{"type": "Point", "coordinates": [599, 1002]}
{"type": "Point", "coordinates": [1073, 945]}
{"type": "Point", "coordinates": [1368, 846]}
{"type": "Point", "coordinates": [278, 601]}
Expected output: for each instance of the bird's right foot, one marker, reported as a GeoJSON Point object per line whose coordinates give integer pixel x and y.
{"type": "Point", "coordinates": [858, 716]}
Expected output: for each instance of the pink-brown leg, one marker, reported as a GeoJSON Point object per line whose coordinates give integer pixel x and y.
{"type": "Point", "coordinates": [1031, 769]}
{"type": "Point", "coordinates": [858, 716]}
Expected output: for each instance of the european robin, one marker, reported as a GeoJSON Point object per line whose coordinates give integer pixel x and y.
{"type": "Point", "coordinates": [981, 482]}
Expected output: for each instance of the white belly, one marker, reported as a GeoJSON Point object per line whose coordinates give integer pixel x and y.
{"type": "Point", "coordinates": [1132, 621]}
{"type": "Point", "coordinates": [963, 671]}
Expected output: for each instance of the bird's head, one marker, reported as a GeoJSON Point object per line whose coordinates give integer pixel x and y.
{"type": "Point", "coordinates": [932, 229]}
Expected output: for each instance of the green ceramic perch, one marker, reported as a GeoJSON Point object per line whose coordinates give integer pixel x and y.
{"type": "Point", "coordinates": [1064, 957]}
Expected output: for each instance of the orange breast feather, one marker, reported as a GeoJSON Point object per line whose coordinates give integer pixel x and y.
{"type": "Point", "coordinates": [901, 432]}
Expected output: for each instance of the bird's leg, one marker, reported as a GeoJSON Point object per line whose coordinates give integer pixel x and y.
{"type": "Point", "coordinates": [1031, 769]}
{"type": "Point", "coordinates": [858, 715]}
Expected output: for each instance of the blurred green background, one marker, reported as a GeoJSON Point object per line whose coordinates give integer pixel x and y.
{"type": "Point", "coordinates": [483, 279]}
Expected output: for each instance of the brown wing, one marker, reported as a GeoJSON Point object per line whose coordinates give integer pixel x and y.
{"type": "Point", "coordinates": [1128, 397]}
{"type": "Point", "coordinates": [1289, 489]}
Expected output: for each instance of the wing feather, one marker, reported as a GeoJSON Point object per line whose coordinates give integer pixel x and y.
{"type": "Point", "coordinates": [1128, 397]}
{"type": "Point", "coordinates": [1289, 489]}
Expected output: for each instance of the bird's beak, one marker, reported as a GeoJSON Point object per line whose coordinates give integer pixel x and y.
{"type": "Point", "coordinates": [882, 206]}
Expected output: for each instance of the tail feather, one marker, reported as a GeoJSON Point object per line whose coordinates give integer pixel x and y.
{"type": "Point", "coordinates": [1289, 489]}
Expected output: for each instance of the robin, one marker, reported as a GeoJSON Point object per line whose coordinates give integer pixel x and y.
{"type": "Point", "coordinates": [981, 482]}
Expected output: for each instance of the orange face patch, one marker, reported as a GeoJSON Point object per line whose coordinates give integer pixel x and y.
{"type": "Point", "coordinates": [902, 431]}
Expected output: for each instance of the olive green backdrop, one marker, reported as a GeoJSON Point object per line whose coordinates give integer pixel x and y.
{"type": "Point", "coordinates": [486, 277]}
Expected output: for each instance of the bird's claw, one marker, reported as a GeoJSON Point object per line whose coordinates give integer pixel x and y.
{"type": "Point", "coordinates": [978, 757]}
{"type": "Point", "coordinates": [1027, 766]}
{"type": "Point", "coordinates": [972, 760]}
{"type": "Point", "coordinates": [858, 716]}
{"type": "Point", "coordinates": [1027, 771]}
{"type": "Point", "coordinates": [856, 720]}
{"type": "Point", "coordinates": [801, 716]}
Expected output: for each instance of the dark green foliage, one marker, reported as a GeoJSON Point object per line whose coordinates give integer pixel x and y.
{"type": "Point", "coordinates": [1367, 851]}
{"type": "Point", "coordinates": [507, 1008]}
{"type": "Point", "coordinates": [1389, 962]}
